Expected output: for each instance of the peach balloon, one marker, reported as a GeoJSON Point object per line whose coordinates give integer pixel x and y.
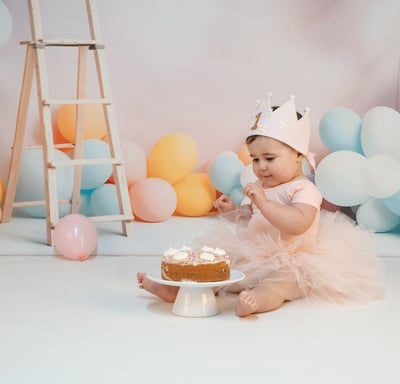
{"type": "Point", "coordinates": [152, 200]}
{"type": "Point", "coordinates": [94, 123]}
{"type": "Point", "coordinates": [244, 155]}
{"type": "Point", "coordinates": [172, 157]}
{"type": "Point", "coordinates": [195, 194]}
{"type": "Point", "coordinates": [135, 162]}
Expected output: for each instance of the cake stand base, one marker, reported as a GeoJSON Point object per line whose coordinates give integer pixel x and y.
{"type": "Point", "coordinates": [196, 299]}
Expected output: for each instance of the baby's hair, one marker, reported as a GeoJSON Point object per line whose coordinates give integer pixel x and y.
{"type": "Point", "coordinates": [250, 139]}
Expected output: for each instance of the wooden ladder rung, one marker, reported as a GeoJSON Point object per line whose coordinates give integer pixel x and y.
{"type": "Point", "coordinates": [111, 218]}
{"type": "Point", "coordinates": [75, 162]}
{"type": "Point", "coordinates": [64, 43]}
{"type": "Point", "coordinates": [37, 203]}
{"type": "Point", "coordinates": [77, 101]}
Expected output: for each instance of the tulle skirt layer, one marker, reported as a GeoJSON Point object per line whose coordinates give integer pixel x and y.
{"type": "Point", "coordinates": [341, 266]}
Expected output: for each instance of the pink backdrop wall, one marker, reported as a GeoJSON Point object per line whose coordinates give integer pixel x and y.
{"type": "Point", "coordinates": [199, 66]}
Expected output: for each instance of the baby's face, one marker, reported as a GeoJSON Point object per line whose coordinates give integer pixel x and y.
{"type": "Point", "coordinates": [274, 162]}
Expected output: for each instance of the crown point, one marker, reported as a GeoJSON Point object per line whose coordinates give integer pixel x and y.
{"type": "Point", "coordinates": [292, 97]}
{"type": "Point", "coordinates": [307, 109]}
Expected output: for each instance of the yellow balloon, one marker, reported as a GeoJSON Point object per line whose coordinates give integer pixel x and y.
{"type": "Point", "coordinates": [172, 157]}
{"type": "Point", "coordinates": [94, 123]}
{"type": "Point", "coordinates": [244, 155]}
{"type": "Point", "coordinates": [1, 189]}
{"type": "Point", "coordinates": [195, 195]}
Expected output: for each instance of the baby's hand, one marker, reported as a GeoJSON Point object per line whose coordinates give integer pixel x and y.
{"type": "Point", "coordinates": [224, 204]}
{"type": "Point", "coordinates": [256, 194]}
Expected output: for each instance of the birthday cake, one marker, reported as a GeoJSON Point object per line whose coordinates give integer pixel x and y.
{"type": "Point", "coordinates": [206, 264]}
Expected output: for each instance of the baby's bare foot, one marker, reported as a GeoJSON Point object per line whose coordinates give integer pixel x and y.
{"type": "Point", "coordinates": [164, 292]}
{"type": "Point", "coordinates": [246, 304]}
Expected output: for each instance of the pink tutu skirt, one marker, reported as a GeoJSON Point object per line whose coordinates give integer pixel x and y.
{"type": "Point", "coordinates": [341, 265]}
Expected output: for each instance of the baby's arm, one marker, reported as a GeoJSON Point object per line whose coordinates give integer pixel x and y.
{"type": "Point", "coordinates": [294, 219]}
{"type": "Point", "coordinates": [224, 204]}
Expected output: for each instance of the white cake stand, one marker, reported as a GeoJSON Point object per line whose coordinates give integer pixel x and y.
{"type": "Point", "coordinates": [196, 299]}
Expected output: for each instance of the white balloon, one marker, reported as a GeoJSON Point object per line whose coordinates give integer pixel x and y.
{"type": "Point", "coordinates": [338, 177]}
{"type": "Point", "coordinates": [380, 132]}
{"type": "Point", "coordinates": [381, 174]}
{"type": "Point", "coordinates": [374, 215]}
{"type": "Point", "coordinates": [247, 175]}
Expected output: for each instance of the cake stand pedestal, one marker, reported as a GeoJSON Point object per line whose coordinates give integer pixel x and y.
{"type": "Point", "coordinates": [196, 299]}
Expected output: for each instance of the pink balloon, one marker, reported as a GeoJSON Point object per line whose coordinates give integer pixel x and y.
{"type": "Point", "coordinates": [134, 160]}
{"type": "Point", "coordinates": [75, 237]}
{"type": "Point", "coordinates": [153, 199]}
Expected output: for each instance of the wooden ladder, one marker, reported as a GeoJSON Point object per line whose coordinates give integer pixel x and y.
{"type": "Point", "coordinates": [35, 63]}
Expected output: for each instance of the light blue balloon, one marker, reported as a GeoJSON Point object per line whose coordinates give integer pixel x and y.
{"type": "Point", "coordinates": [30, 186]}
{"type": "Point", "coordinates": [84, 204]}
{"type": "Point", "coordinates": [393, 203]}
{"type": "Point", "coordinates": [340, 129]}
{"type": "Point", "coordinates": [237, 195]}
{"type": "Point", "coordinates": [339, 178]}
{"type": "Point", "coordinates": [95, 175]}
{"type": "Point", "coordinates": [225, 173]}
{"type": "Point", "coordinates": [375, 216]}
{"type": "Point", "coordinates": [104, 200]}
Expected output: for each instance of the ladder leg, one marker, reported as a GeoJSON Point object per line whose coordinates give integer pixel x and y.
{"type": "Point", "coordinates": [17, 148]}
{"type": "Point", "coordinates": [79, 132]}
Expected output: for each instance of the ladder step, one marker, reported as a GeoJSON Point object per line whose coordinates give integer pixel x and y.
{"type": "Point", "coordinates": [111, 218]}
{"type": "Point", "coordinates": [77, 101]}
{"type": "Point", "coordinates": [75, 162]}
{"type": "Point", "coordinates": [64, 43]}
{"type": "Point", "coordinates": [37, 203]}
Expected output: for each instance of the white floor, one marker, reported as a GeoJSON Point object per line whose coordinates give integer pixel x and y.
{"type": "Point", "coordinates": [70, 322]}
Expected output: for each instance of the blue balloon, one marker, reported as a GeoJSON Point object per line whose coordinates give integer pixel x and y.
{"type": "Point", "coordinates": [84, 204]}
{"type": "Point", "coordinates": [30, 186]}
{"type": "Point", "coordinates": [225, 173]}
{"type": "Point", "coordinates": [340, 129]}
{"type": "Point", "coordinates": [375, 216]}
{"type": "Point", "coordinates": [237, 195]}
{"type": "Point", "coordinates": [104, 200]}
{"type": "Point", "coordinates": [95, 175]}
{"type": "Point", "coordinates": [393, 203]}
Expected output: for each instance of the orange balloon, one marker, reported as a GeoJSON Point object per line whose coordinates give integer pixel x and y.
{"type": "Point", "coordinates": [94, 123]}
{"type": "Point", "coordinates": [195, 195]}
{"type": "Point", "coordinates": [244, 155]}
{"type": "Point", "coordinates": [173, 157]}
{"type": "Point", "coordinates": [1, 189]}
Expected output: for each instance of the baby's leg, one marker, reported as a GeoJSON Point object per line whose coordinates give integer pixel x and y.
{"type": "Point", "coordinates": [266, 297]}
{"type": "Point", "coordinates": [165, 292]}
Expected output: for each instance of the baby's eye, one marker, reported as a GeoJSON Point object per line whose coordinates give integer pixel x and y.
{"type": "Point", "coordinates": [255, 160]}
{"type": "Point", "coordinates": [269, 158]}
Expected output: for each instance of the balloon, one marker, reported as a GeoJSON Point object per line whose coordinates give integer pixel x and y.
{"type": "Point", "coordinates": [84, 203]}
{"type": "Point", "coordinates": [393, 203]}
{"type": "Point", "coordinates": [340, 129]}
{"type": "Point", "coordinates": [94, 123]}
{"type": "Point", "coordinates": [30, 186]}
{"type": "Point", "coordinates": [95, 175]}
{"type": "Point", "coordinates": [338, 177]}
{"type": "Point", "coordinates": [244, 155]}
{"type": "Point", "coordinates": [172, 158]}
{"type": "Point", "coordinates": [1, 189]}
{"type": "Point", "coordinates": [104, 200]}
{"type": "Point", "coordinates": [75, 237]}
{"type": "Point", "coordinates": [5, 24]}
{"type": "Point", "coordinates": [134, 162]}
{"type": "Point", "coordinates": [225, 173]}
{"type": "Point", "coordinates": [195, 195]}
{"type": "Point", "coordinates": [237, 195]}
{"type": "Point", "coordinates": [381, 176]}
{"type": "Point", "coordinates": [374, 215]}
{"type": "Point", "coordinates": [153, 200]}
{"type": "Point", "coordinates": [380, 132]}
{"type": "Point", "coordinates": [247, 175]}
